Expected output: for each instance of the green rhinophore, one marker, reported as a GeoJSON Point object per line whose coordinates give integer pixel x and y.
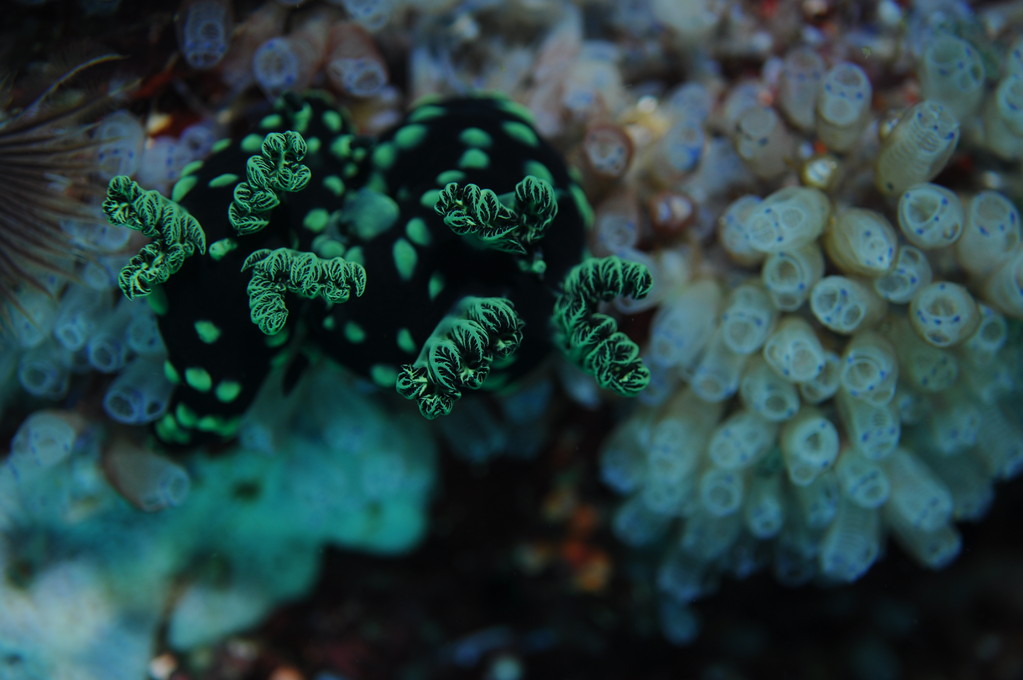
{"type": "Point", "coordinates": [277, 168]}
{"type": "Point", "coordinates": [459, 353]}
{"type": "Point", "coordinates": [469, 210]}
{"type": "Point", "coordinates": [591, 339]}
{"type": "Point", "coordinates": [280, 271]}
{"type": "Point", "coordinates": [177, 235]}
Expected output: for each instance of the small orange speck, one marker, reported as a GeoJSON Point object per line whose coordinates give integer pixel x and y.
{"type": "Point", "coordinates": [286, 673]}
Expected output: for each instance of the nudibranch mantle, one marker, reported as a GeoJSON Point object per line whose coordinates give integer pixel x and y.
{"type": "Point", "coordinates": [443, 256]}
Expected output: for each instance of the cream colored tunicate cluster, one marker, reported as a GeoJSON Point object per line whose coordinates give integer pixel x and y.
{"type": "Point", "coordinates": [836, 358]}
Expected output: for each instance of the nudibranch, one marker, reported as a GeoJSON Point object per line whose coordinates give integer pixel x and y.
{"type": "Point", "coordinates": [446, 255]}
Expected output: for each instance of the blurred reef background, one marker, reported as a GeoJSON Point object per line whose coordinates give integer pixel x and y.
{"type": "Point", "coordinates": [772, 428]}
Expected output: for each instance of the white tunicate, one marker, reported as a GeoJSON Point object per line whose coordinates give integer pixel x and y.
{"type": "Point", "coordinates": [944, 313]}
{"type": "Point", "coordinates": [45, 438]}
{"type": "Point", "coordinates": [139, 394]}
{"type": "Point", "coordinates": [991, 233]}
{"type": "Point", "coordinates": [789, 275]}
{"type": "Point", "coordinates": [873, 430]}
{"type": "Point", "coordinates": [794, 350]}
{"type": "Point", "coordinates": [762, 142]}
{"type": "Point", "coordinates": [45, 371]}
{"type": "Point", "coordinates": [747, 319]}
{"type": "Point", "coordinates": [851, 544]}
{"type": "Point", "coordinates": [788, 219]}
{"type": "Point", "coordinates": [802, 73]}
{"type": "Point", "coordinates": [204, 32]}
{"type": "Point", "coordinates": [843, 106]}
{"type": "Point", "coordinates": [721, 491]}
{"type": "Point", "coordinates": [917, 148]}
{"type": "Point", "coordinates": [919, 499]}
{"type": "Point", "coordinates": [952, 74]}
{"type": "Point", "coordinates": [767, 393]}
{"type": "Point", "coordinates": [818, 500]}
{"type": "Point", "coordinates": [1004, 288]}
{"type": "Point", "coordinates": [121, 137]}
{"type": "Point", "coordinates": [764, 509]}
{"type": "Point", "coordinates": [930, 216]}
{"type": "Point", "coordinates": [80, 313]}
{"type": "Point", "coordinates": [809, 445]}
{"type": "Point", "coordinates": [716, 376]}
{"type": "Point", "coordinates": [733, 228]}
{"type": "Point", "coordinates": [861, 242]}
{"type": "Point", "coordinates": [684, 324]}
{"type": "Point", "coordinates": [826, 383]}
{"type": "Point", "coordinates": [991, 335]}
{"type": "Point", "coordinates": [845, 305]}
{"type": "Point", "coordinates": [910, 273]}
{"type": "Point", "coordinates": [870, 368]}
{"type": "Point", "coordinates": [862, 481]}
{"type": "Point", "coordinates": [741, 440]}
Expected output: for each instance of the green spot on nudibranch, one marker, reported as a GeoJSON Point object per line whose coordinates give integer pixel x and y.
{"type": "Point", "coordinates": [436, 285]}
{"type": "Point", "coordinates": [251, 143]}
{"type": "Point", "coordinates": [329, 322]}
{"type": "Point", "coordinates": [417, 231]}
{"type": "Point", "coordinates": [198, 379]}
{"type": "Point", "coordinates": [354, 333]}
{"type": "Point", "coordinates": [171, 373]}
{"type": "Point", "coordinates": [207, 331]}
{"type": "Point", "coordinates": [384, 155]}
{"type": "Point", "coordinates": [355, 254]}
{"type": "Point", "coordinates": [327, 246]}
{"type": "Point", "coordinates": [341, 147]}
{"type": "Point", "coordinates": [449, 176]}
{"type": "Point", "coordinates": [538, 170]}
{"type": "Point", "coordinates": [475, 137]}
{"type": "Point", "coordinates": [168, 430]}
{"type": "Point", "coordinates": [191, 168]}
{"type": "Point", "coordinates": [227, 391]}
{"type": "Point", "coordinates": [185, 415]}
{"type": "Point", "coordinates": [332, 121]}
{"type": "Point", "coordinates": [271, 122]}
{"type": "Point", "coordinates": [474, 159]}
{"type": "Point", "coordinates": [300, 119]}
{"type": "Point", "coordinates": [424, 113]}
{"type": "Point", "coordinates": [277, 339]}
{"type": "Point", "coordinates": [516, 109]}
{"type": "Point", "coordinates": [316, 220]}
{"type": "Point", "coordinates": [334, 184]}
{"type": "Point", "coordinates": [224, 427]}
{"type": "Point", "coordinates": [221, 144]}
{"type": "Point", "coordinates": [218, 249]}
{"type": "Point", "coordinates": [224, 180]}
{"type": "Point", "coordinates": [313, 144]}
{"type": "Point", "coordinates": [182, 187]}
{"type": "Point", "coordinates": [429, 198]}
{"type": "Point", "coordinates": [405, 258]}
{"type": "Point", "coordinates": [405, 342]}
{"type": "Point", "coordinates": [520, 132]}
{"type": "Point", "coordinates": [383, 376]}
{"type": "Point", "coordinates": [410, 136]}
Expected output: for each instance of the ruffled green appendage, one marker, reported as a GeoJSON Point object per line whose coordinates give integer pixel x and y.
{"type": "Point", "coordinates": [459, 353]}
{"type": "Point", "coordinates": [177, 235]}
{"type": "Point", "coordinates": [469, 210]}
{"type": "Point", "coordinates": [591, 339]}
{"type": "Point", "coordinates": [280, 271]}
{"type": "Point", "coordinates": [277, 168]}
